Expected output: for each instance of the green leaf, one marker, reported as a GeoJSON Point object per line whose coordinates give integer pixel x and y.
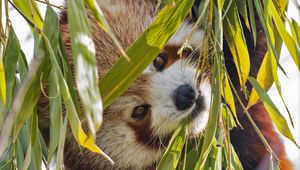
{"type": "Point", "coordinates": [86, 74]}
{"type": "Point", "coordinates": [278, 120]}
{"type": "Point", "coordinates": [36, 154]}
{"type": "Point", "coordinates": [11, 56]}
{"type": "Point", "coordinates": [252, 21]}
{"type": "Point", "coordinates": [61, 144]}
{"type": "Point", "coordinates": [287, 39]}
{"type": "Point", "coordinates": [153, 39]}
{"type": "Point", "coordinates": [30, 10]}
{"type": "Point", "coordinates": [215, 111]}
{"type": "Point", "coordinates": [26, 97]}
{"type": "Point", "coordinates": [172, 154]}
{"type": "Point", "coordinates": [242, 8]}
{"type": "Point", "coordinates": [55, 114]}
{"type": "Point", "coordinates": [218, 160]}
{"type": "Point", "coordinates": [100, 18]}
{"type": "Point", "coordinates": [236, 41]}
{"type": "Point", "coordinates": [227, 94]}
{"type": "Point", "coordinates": [22, 66]}
{"type": "Point", "coordinates": [295, 29]}
{"type": "Point", "coordinates": [78, 133]}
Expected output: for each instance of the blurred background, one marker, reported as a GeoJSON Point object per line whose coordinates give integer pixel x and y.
{"type": "Point", "coordinates": [290, 84]}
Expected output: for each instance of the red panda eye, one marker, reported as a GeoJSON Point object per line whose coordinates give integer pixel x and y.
{"type": "Point", "coordinates": [160, 61]}
{"type": "Point", "coordinates": [140, 112]}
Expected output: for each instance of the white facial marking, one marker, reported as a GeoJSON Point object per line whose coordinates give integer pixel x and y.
{"type": "Point", "coordinates": [165, 115]}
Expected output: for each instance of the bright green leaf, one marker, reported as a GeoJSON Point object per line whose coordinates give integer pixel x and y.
{"type": "Point", "coordinates": [278, 120]}
{"type": "Point", "coordinates": [172, 154]}
{"type": "Point", "coordinates": [30, 10]}
{"type": "Point", "coordinates": [236, 41]}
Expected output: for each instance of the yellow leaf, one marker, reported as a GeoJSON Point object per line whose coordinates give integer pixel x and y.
{"type": "Point", "coordinates": [264, 79]}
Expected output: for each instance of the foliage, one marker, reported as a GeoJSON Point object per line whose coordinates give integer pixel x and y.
{"type": "Point", "coordinates": [21, 143]}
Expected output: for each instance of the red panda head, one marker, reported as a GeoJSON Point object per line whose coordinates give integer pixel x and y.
{"type": "Point", "coordinates": [138, 125]}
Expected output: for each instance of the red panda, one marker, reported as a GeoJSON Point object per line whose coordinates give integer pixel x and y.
{"type": "Point", "coordinates": [138, 125]}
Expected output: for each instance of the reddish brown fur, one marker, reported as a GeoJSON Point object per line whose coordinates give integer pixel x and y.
{"type": "Point", "coordinates": [246, 142]}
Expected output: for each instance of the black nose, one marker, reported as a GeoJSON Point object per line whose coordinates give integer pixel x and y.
{"type": "Point", "coordinates": [184, 97]}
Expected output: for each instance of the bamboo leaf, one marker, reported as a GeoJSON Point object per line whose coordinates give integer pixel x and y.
{"type": "Point", "coordinates": [287, 39]}
{"type": "Point", "coordinates": [227, 94]}
{"type": "Point", "coordinates": [86, 74]}
{"type": "Point", "coordinates": [242, 8]}
{"type": "Point", "coordinates": [78, 133]}
{"type": "Point", "coordinates": [215, 111]}
{"type": "Point", "coordinates": [252, 21]}
{"type": "Point", "coordinates": [97, 12]}
{"type": "Point", "coordinates": [2, 88]}
{"type": "Point", "coordinates": [30, 10]}
{"type": "Point", "coordinates": [277, 40]}
{"type": "Point", "coordinates": [172, 154]}
{"type": "Point", "coordinates": [218, 160]}
{"type": "Point", "coordinates": [269, 37]}
{"type": "Point", "coordinates": [27, 159]}
{"type": "Point", "coordinates": [36, 154]}
{"type": "Point", "coordinates": [61, 144]}
{"type": "Point", "coordinates": [295, 29]}
{"type": "Point", "coordinates": [237, 165]}
{"type": "Point", "coordinates": [55, 114]}
{"type": "Point", "coordinates": [264, 78]}
{"type": "Point", "coordinates": [236, 41]}
{"type": "Point", "coordinates": [10, 63]}
{"type": "Point", "coordinates": [153, 39]}
{"type": "Point", "coordinates": [26, 97]}
{"type": "Point", "coordinates": [22, 66]}
{"type": "Point", "coordinates": [278, 120]}
{"type": "Point", "coordinates": [54, 94]}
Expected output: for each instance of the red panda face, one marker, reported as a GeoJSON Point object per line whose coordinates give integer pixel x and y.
{"type": "Point", "coordinates": [137, 127]}
{"type": "Point", "coordinates": [172, 92]}
{"type": "Point", "coordinates": [166, 94]}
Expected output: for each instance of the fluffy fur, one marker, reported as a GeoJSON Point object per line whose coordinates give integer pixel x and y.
{"type": "Point", "coordinates": [139, 144]}
{"type": "Point", "coordinates": [131, 143]}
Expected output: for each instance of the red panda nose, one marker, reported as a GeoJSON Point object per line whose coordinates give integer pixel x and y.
{"type": "Point", "coordinates": [184, 97]}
